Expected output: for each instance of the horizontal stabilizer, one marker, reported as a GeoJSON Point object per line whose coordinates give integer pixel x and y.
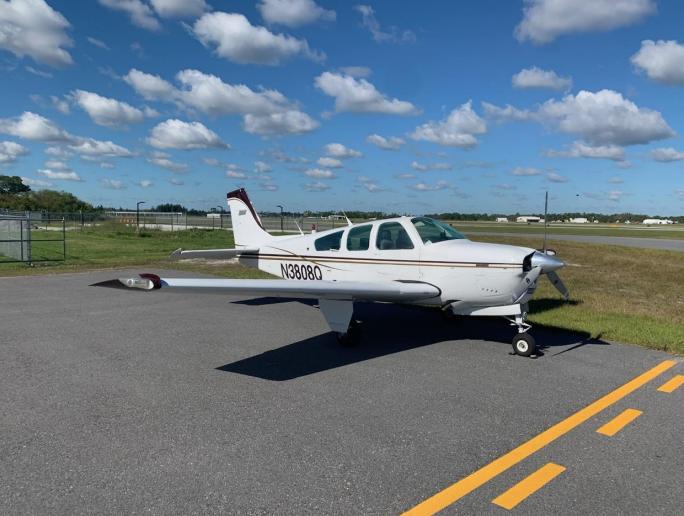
{"type": "Point", "coordinates": [211, 254]}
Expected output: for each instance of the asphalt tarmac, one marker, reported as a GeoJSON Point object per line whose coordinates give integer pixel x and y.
{"type": "Point", "coordinates": [667, 244]}
{"type": "Point", "coordinates": [118, 401]}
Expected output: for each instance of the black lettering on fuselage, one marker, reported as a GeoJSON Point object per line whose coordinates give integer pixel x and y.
{"type": "Point", "coordinates": [301, 272]}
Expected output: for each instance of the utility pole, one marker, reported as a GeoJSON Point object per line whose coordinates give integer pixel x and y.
{"type": "Point", "coordinates": [137, 215]}
{"type": "Point", "coordinates": [281, 217]}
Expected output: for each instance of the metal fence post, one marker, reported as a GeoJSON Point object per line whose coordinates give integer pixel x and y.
{"type": "Point", "coordinates": [63, 238]}
{"type": "Point", "coordinates": [29, 251]}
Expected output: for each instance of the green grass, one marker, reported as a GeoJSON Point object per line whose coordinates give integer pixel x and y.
{"type": "Point", "coordinates": [617, 293]}
{"type": "Point", "coordinates": [589, 229]}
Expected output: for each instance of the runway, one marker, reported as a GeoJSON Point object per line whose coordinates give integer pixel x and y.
{"type": "Point", "coordinates": [124, 401]}
{"type": "Point", "coordinates": [667, 244]}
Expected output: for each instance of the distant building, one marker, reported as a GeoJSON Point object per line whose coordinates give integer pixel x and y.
{"type": "Point", "coordinates": [528, 219]}
{"type": "Point", "coordinates": [579, 220]}
{"type": "Point", "coordinates": [501, 219]}
{"type": "Point", "coordinates": [657, 221]}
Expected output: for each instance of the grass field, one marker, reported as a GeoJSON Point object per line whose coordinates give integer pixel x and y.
{"type": "Point", "coordinates": [617, 293]}
{"type": "Point", "coordinates": [670, 232]}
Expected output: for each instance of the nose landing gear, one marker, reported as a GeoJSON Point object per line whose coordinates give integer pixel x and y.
{"type": "Point", "coordinates": [523, 343]}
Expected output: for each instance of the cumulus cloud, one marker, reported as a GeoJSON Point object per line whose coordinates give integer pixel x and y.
{"type": "Point", "coordinates": [140, 13]}
{"type": "Point", "coordinates": [176, 134]}
{"type": "Point", "coordinates": [537, 78]}
{"type": "Point", "coordinates": [112, 184]}
{"type": "Point", "coordinates": [360, 96]}
{"type": "Point", "coordinates": [545, 20]}
{"type": "Point", "coordinates": [370, 184]}
{"type": "Point", "coordinates": [262, 167]}
{"type": "Point", "coordinates": [601, 118]}
{"type": "Point", "coordinates": [582, 150]}
{"type": "Point", "coordinates": [387, 35]}
{"type": "Point", "coordinates": [107, 111]}
{"type": "Point", "coordinates": [391, 143]}
{"type": "Point", "coordinates": [236, 39]}
{"type": "Point", "coordinates": [89, 147]}
{"type": "Point", "coordinates": [424, 167]}
{"type": "Point", "coordinates": [320, 173]}
{"type": "Point", "coordinates": [329, 162]}
{"type": "Point", "coordinates": [32, 28]}
{"type": "Point", "coordinates": [663, 61]}
{"type": "Point", "coordinates": [145, 183]}
{"type": "Point", "coordinates": [337, 150]}
{"type": "Point", "coordinates": [316, 186]}
{"type": "Point", "coordinates": [60, 175]}
{"type": "Point", "coordinates": [425, 187]}
{"type": "Point", "coordinates": [459, 129]}
{"type": "Point", "coordinates": [265, 112]}
{"type": "Point", "coordinates": [294, 13]}
{"type": "Point", "coordinates": [235, 174]}
{"type": "Point", "coordinates": [179, 8]}
{"type": "Point", "coordinates": [97, 43]}
{"type": "Point", "coordinates": [163, 160]}
{"type": "Point", "coordinates": [11, 151]}
{"type": "Point", "coordinates": [525, 171]}
{"type": "Point", "coordinates": [356, 71]}
{"type": "Point", "coordinates": [555, 177]}
{"type": "Point", "coordinates": [667, 154]}
{"type": "Point", "coordinates": [35, 183]}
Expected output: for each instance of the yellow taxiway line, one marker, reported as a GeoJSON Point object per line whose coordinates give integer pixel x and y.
{"type": "Point", "coordinates": [528, 486]}
{"type": "Point", "coordinates": [672, 384]}
{"type": "Point", "coordinates": [456, 491]}
{"type": "Point", "coordinates": [620, 421]}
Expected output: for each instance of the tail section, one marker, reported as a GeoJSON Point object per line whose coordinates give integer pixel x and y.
{"type": "Point", "coordinates": [247, 228]}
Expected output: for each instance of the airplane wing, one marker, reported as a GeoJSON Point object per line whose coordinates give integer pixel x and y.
{"type": "Point", "coordinates": [211, 254]}
{"type": "Point", "coordinates": [396, 291]}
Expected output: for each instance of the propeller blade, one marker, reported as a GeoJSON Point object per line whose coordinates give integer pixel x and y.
{"type": "Point", "coordinates": [560, 286]}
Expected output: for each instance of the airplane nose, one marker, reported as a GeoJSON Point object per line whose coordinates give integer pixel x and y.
{"type": "Point", "coordinates": [546, 262]}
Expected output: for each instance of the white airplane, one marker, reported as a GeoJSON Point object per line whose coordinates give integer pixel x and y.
{"type": "Point", "coordinates": [415, 260]}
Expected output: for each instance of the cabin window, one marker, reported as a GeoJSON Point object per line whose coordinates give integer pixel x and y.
{"type": "Point", "coordinates": [432, 231]}
{"type": "Point", "coordinates": [392, 235]}
{"type": "Point", "coordinates": [358, 238]}
{"type": "Point", "coordinates": [329, 242]}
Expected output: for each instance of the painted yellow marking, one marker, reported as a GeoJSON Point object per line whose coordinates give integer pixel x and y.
{"type": "Point", "coordinates": [483, 475]}
{"type": "Point", "coordinates": [672, 384]}
{"type": "Point", "coordinates": [528, 486]}
{"type": "Point", "coordinates": [620, 421]}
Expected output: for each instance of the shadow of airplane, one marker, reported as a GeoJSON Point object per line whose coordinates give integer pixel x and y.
{"type": "Point", "coordinates": [389, 329]}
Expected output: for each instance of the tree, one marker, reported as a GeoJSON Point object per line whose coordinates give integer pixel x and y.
{"type": "Point", "coordinates": [12, 185]}
{"type": "Point", "coordinates": [170, 208]}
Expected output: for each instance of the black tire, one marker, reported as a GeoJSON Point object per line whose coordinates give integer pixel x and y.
{"type": "Point", "coordinates": [524, 345]}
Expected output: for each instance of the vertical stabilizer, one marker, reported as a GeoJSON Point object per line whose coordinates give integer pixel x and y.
{"type": "Point", "coordinates": [247, 228]}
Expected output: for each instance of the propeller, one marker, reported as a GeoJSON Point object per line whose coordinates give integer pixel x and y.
{"type": "Point", "coordinates": [551, 274]}
{"type": "Point", "coordinates": [558, 283]}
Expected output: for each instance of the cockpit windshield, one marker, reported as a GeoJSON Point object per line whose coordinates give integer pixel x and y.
{"type": "Point", "coordinates": [432, 231]}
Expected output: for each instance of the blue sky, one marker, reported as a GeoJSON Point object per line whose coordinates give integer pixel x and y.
{"type": "Point", "coordinates": [399, 106]}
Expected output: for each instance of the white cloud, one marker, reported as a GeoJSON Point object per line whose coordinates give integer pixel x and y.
{"type": "Point", "coordinates": [234, 174]}
{"type": "Point", "coordinates": [317, 186]}
{"type": "Point", "coordinates": [582, 150]}
{"type": "Point", "coordinates": [176, 182]}
{"type": "Point", "coordinates": [356, 71]}
{"type": "Point", "coordinates": [370, 184]}
{"type": "Point", "coordinates": [10, 151]}
{"type": "Point", "coordinates": [179, 8]}
{"type": "Point", "coordinates": [294, 13]}
{"type": "Point", "coordinates": [405, 176]}
{"type": "Point", "coordinates": [97, 43]}
{"type": "Point", "coordinates": [106, 165]}
{"type": "Point", "coordinates": [615, 195]}
{"type": "Point", "coordinates": [31, 126]}
{"type": "Point", "coordinates": [145, 183]}
{"type": "Point", "coordinates": [678, 193]}
{"type": "Point", "coordinates": [261, 167]}
{"type": "Point", "coordinates": [425, 187]}
{"type": "Point", "coordinates": [329, 162]}
{"type": "Point", "coordinates": [424, 167]}
{"type": "Point", "coordinates": [151, 87]}
{"type": "Point", "coordinates": [238, 40]}
{"type": "Point", "coordinates": [35, 183]}
{"type": "Point", "coordinates": [176, 134]}
{"type": "Point", "coordinates": [97, 148]}
{"type": "Point", "coordinates": [545, 20]}
{"type": "Point", "coordinates": [286, 122]}
{"type": "Point", "coordinates": [663, 61]}
{"type": "Point", "coordinates": [337, 150]}
{"type": "Point", "coordinates": [54, 164]}
{"type": "Point", "coordinates": [60, 175]}
{"type": "Point", "coordinates": [39, 73]}
{"type": "Point", "coordinates": [389, 35]}
{"type": "Point", "coordinates": [140, 13]}
{"type": "Point", "coordinates": [58, 152]}
{"type": "Point", "coordinates": [667, 154]}
{"type": "Point", "coordinates": [268, 187]}
{"type": "Point", "coordinates": [60, 105]}
{"type": "Point", "coordinates": [391, 143]}
{"type": "Point", "coordinates": [537, 78]}
{"type": "Point", "coordinates": [32, 28]}
{"type": "Point", "coordinates": [360, 96]}
{"type": "Point", "coordinates": [457, 130]}
{"type": "Point", "coordinates": [112, 184]}
{"type": "Point", "coordinates": [320, 173]}
{"type": "Point", "coordinates": [106, 111]}
{"type": "Point", "coordinates": [601, 118]}
{"type": "Point", "coordinates": [505, 186]}
{"type": "Point", "coordinates": [525, 171]}
{"type": "Point", "coordinates": [555, 177]}
{"type": "Point", "coordinates": [615, 180]}
{"type": "Point", "coordinates": [164, 161]}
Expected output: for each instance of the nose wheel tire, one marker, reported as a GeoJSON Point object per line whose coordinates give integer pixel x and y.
{"type": "Point", "coordinates": [524, 345]}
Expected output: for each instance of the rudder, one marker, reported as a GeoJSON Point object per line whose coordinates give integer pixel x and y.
{"type": "Point", "coordinates": [247, 227]}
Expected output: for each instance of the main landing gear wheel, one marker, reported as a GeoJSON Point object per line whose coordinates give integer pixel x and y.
{"type": "Point", "coordinates": [524, 345]}
{"type": "Point", "coordinates": [352, 337]}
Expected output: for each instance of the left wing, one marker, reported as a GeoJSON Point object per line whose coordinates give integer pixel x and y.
{"type": "Point", "coordinates": [337, 290]}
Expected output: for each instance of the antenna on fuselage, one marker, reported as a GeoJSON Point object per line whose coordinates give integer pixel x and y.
{"type": "Point", "coordinates": [349, 222]}
{"type": "Point", "coordinates": [546, 216]}
{"type": "Point", "coordinates": [298, 227]}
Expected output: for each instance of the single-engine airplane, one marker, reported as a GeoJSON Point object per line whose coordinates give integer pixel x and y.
{"type": "Point", "coordinates": [415, 260]}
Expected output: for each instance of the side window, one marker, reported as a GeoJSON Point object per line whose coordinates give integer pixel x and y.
{"type": "Point", "coordinates": [392, 235]}
{"type": "Point", "coordinates": [328, 242]}
{"type": "Point", "coordinates": [358, 238]}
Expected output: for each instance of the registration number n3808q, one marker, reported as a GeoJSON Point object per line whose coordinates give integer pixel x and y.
{"type": "Point", "coordinates": [300, 272]}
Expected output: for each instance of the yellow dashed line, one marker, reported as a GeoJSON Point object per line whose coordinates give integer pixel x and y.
{"type": "Point", "coordinates": [620, 421]}
{"type": "Point", "coordinates": [672, 384]}
{"type": "Point", "coordinates": [528, 486]}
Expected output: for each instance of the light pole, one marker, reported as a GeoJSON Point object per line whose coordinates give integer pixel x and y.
{"type": "Point", "coordinates": [281, 217]}
{"type": "Point", "coordinates": [137, 215]}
